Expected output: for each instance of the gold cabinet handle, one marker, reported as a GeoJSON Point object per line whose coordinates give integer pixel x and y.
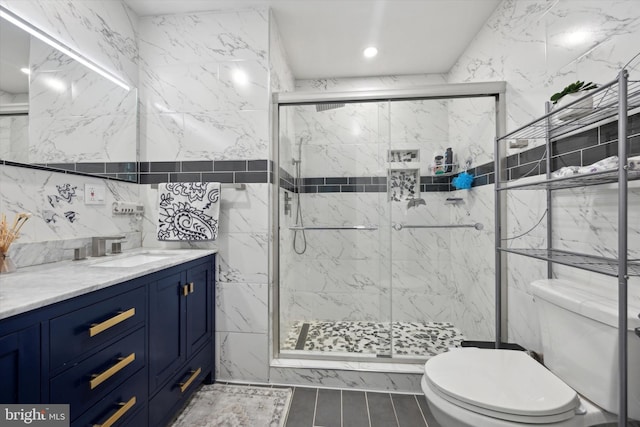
{"type": "Point", "coordinates": [185, 385]}
{"type": "Point", "coordinates": [185, 290]}
{"type": "Point", "coordinates": [191, 287]}
{"type": "Point", "coordinates": [98, 379]}
{"type": "Point", "coordinates": [119, 413]}
{"type": "Point", "coordinates": [96, 328]}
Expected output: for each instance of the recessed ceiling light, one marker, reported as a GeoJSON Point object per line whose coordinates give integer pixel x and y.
{"type": "Point", "coordinates": [370, 52]}
{"type": "Point", "coordinates": [25, 70]}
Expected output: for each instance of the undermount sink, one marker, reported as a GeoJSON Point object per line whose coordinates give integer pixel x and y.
{"type": "Point", "coordinates": [132, 261]}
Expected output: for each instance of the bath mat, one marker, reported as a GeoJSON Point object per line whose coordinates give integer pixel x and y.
{"type": "Point", "coordinates": [236, 406]}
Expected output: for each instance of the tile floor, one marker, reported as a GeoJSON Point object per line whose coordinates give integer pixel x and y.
{"type": "Point", "coordinates": [315, 407]}
{"type": "Point", "coordinates": [320, 407]}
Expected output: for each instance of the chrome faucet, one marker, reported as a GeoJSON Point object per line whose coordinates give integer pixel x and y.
{"type": "Point", "coordinates": [98, 246]}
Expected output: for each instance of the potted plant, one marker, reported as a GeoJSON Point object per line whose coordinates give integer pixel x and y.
{"type": "Point", "coordinates": [571, 93]}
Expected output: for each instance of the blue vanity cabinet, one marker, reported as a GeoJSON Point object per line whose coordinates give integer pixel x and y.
{"type": "Point", "coordinates": [167, 310]}
{"type": "Point", "coordinates": [20, 364]}
{"type": "Point", "coordinates": [199, 307]}
{"type": "Point", "coordinates": [180, 338]}
{"type": "Point", "coordinates": [126, 355]}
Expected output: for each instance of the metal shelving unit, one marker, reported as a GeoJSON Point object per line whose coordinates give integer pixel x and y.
{"type": "Point", "coordinates": [611, 101]}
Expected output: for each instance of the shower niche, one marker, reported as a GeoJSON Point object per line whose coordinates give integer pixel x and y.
{"type": "Point", "coordinates": [349, 285]}
{"type": "Point", "coordinates": [404, 184]}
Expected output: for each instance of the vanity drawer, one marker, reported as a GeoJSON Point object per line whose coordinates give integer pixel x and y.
{"type": "Point", "coordinates": [90, 380]}
{"type": "Point", "coordinates": [123, 406]}
{"type": "Point", "coordinates": [167, 401]}
{"type": "Point", "coordinates": [77, 332]}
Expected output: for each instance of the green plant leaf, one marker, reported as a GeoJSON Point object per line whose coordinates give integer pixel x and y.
{"type": "Point", "coordinates": [578, 86]}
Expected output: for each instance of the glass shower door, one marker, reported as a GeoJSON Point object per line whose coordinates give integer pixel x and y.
{"type": "Point", "coordinates": [333, 230]}
{"type": "Point", "coordinates": [439, 298]}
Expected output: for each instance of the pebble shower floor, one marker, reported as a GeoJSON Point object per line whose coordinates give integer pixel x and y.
{"type": "Point", "coordinates": [409, 338]}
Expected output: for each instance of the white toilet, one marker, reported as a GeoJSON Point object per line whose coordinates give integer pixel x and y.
{"type": "Point", "coordinates": [471, 387]}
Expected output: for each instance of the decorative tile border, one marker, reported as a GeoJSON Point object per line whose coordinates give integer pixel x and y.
{"type": "Point", "coordinates": [225, 171]}
{"type": "Point", "coordinates": [356, 184]}
{"type": "Point", "coordinates": [120, 171]}
{"type": "Point", "coordinates": [577, 150]}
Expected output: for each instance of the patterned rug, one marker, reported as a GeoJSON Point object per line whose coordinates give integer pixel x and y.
{"type": "Point", "coordinates": [420, 339]}
{"type": "Point", "coordinates": [236, 406]}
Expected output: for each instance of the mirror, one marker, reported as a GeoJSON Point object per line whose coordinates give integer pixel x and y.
{"type": "Point", "coordinates": [57, 113]}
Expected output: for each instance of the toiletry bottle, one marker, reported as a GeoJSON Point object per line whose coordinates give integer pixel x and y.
{"type": "Point", "coordinates": [448, 160]}
{"type": "Point", "coordinates": [438, 164]}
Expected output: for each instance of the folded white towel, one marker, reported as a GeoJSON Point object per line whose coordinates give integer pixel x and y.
{"type": "Point", "coordinates": [565, 171]}
{"type": "Point", "coordinates": [602, 165]}
{"type": "Point", "coordinates": [634, 163]}
{"type": "Point", "coordinates": [188, 211]}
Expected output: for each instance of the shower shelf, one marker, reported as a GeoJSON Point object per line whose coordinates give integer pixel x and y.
{"type": "Point", "coordinates": [454, 170]}
{"type": "Point", "coordinates": [612, 101]}
{"type": "Point", "coordinates": [573, 181]}
{"type": "Point", "coordinates": [596, 264]}
{"type": "Point", "coordinates": [605, 107]}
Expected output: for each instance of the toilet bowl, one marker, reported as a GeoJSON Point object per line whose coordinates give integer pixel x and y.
{"type": "Point", "coordinates": [471, 387]}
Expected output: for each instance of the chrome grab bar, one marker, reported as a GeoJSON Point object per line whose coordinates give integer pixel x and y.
{"type": "Point", "coordinates": [348, 227]}
{"type": "Point", "coordinates": [477, 226]}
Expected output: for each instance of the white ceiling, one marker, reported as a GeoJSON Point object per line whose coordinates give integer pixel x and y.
{"type": "Point", "coordinates": [325, 38]}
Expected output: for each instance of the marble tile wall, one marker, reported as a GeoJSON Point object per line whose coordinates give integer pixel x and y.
{"type": "Point", "coordinates": [210, 100]}
{"type": "Point", "coordinates": [61, 220]}
{"type": "Point", "coordinates": [528, 44]}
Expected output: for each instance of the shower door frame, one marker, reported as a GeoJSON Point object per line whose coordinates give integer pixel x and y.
{"type": "Point", "coordinates": [497, 90]}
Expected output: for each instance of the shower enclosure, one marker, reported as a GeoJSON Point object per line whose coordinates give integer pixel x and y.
{"type": "Point", "coordinates": [371, 236]}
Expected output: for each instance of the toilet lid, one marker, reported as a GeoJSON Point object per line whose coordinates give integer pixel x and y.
{"type": "Point", "coordinates": [500, 383]}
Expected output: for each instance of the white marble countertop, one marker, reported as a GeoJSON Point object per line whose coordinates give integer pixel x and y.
{"type": "Point", "coordinates": [38, 286]}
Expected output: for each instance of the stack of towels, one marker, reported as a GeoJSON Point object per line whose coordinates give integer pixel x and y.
{"type": "Point", "coordinates": [609, 163]}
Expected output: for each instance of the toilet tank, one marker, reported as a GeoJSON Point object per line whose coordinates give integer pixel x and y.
{"type": "Point", "coordinates": [579, 330]}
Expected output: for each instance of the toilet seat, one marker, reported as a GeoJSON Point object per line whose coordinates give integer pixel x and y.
{"type": "Point", "coordinates": [503, 384]}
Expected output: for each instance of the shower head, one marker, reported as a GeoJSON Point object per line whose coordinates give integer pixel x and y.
{"type": "Point", "coordinates": [328, 106]}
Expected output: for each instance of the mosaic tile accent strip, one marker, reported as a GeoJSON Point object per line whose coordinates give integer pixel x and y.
{"type": "Point", "coordinates": [409, 338]}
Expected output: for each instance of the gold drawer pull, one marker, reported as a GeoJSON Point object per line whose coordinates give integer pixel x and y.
{"type": "Point", "coordinates": [185, 385]}
{"type": "Point", "coordinates": [185, 290]}
{"type": "Point", "coordinates": [96, 328]}
{"type": "Point", "coordinates": [98, 379]}
{"type": "Point", "coordinates": [119, 413]}
{"type": "Point", "coordinates": [191, 287]}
